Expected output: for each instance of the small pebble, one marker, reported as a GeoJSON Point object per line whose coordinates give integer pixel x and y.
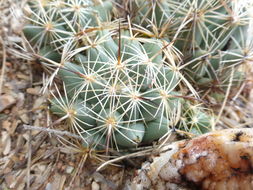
{"type": "Point", "coordinates": [69, 169]}
{"type": "Point", "coordinates": [95, 186]}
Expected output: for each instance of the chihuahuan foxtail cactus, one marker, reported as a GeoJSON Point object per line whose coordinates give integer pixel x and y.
{"type": "Point", "coordinates": [213, 35]}
{"type": "Point", "coordinates": [123, 79]}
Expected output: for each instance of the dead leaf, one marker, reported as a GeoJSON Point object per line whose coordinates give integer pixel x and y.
{"type": "Point", "coordinates": [33, 91]}
{"type": "Point", "coordinates": [6, 142]}
{"type": "Point", "coordinates": [24, 117]}
{"type": "Point", "coordinates": [6, 125]}
{"type": "Point", "coordinates": [9, 180]}
{"type": "Point", "coordinates": [14, 125]}
{"type": "Point", "coordinates": [6, 101]}
{"type": "Point", "coordinates": [38, 102]}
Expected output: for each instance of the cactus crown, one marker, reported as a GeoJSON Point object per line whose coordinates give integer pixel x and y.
{"type": "Point", "coordinates": [125, 80]}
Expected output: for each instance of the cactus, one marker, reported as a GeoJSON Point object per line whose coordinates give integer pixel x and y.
{"type": "Point", "coordinates": [124, 83]}
{"type": "Point", "coordinates": [211, 34]}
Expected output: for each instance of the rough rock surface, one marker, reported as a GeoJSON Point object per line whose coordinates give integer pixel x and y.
{"type": "Point", "coordinates": [219, 160]}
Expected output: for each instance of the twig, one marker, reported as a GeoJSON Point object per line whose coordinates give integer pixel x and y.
{"type": "Point", "coordinates": [51, 131]}
{"type": "Point", "coordinates": [3, 65]}
{"type": "Point", "coordinates": [29, 159]}
{"type": "Point", "coordinates": [77, 171]}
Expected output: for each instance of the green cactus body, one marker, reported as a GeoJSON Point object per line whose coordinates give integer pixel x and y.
{"type": "Point", "coordinates": [153, 51]}
{"type": "Point", "coordinates": [77, 112]}
{"type": "Point", "coordinates": [49, 53]}
{"type": "Point", "coordinates": [44, 34]}
{"type": "Point", "coordinates": [109, 118]}
{"type": "Point", "coordinates": [198, 121]}
{"type": "Point", "coordinates": [131, 135]}
{"type": "Point", "coordinates": [129, 105]}
{"type": "Point", "coordinates": [104, 11]}
{"type": "Point", "coordinates": [95, 140]}
{"type": "Point", "coordinates": [156, 129]}
{"type": "Point", "coordinates": [81, 59]}
{"type": "Point", "coordinates": [80, 81]}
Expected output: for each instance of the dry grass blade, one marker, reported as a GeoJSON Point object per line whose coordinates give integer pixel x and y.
{"type": "Point", "coordinates": [3, 65]}
{"type": "Point", "coordinates": [133, 155]}
{"type": "Point", "coordinates": [226, 97]}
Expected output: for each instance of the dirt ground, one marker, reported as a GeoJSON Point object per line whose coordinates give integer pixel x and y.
{"type": "Point", "coordinates": [36, 159]}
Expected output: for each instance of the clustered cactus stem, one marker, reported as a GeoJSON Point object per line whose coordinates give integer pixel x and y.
{"type": "Point", "coordinates": [129, 82]}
